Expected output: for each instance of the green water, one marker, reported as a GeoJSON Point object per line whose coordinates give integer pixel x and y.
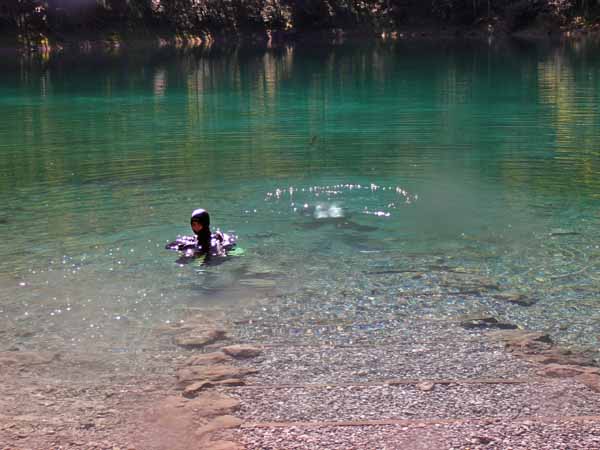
{"type": "Point", "coordinates": [455, 167]}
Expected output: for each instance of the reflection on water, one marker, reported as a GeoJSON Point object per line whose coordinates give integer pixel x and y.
{"type": "Point", "coordinates": [436, 181]}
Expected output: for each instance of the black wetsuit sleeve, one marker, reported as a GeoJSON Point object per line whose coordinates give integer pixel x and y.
{"type": "Point", "coordinates": [204, 246]}
{"type": "Point", "coordinates": [182, 244]}
{"type": "Point", "coordinates": [175, 245]}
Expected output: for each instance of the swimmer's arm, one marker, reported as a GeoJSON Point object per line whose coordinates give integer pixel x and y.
{"type": "Point", "coordinates": [182, 245]}
{"type": "Point", "coordinates": [175, 245]}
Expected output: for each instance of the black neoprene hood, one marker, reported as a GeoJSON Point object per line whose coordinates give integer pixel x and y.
{"type": "Point", "coordinates": [201, 216]}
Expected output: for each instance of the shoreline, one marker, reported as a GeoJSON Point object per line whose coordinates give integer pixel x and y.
{"type": "Point", "coordinates": [115, 41]}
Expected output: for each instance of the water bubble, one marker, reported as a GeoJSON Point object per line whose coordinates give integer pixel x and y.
{"type": "Point", "coordinates": [335, 211]}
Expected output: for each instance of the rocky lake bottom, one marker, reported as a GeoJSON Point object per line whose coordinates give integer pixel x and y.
{"type": "Point", "coordinates": [246, 378]}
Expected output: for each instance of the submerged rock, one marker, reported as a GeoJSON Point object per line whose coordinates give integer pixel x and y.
{"type": "Point", "coordinates": [563, 232]}
{"type": "Point", "coordinates": [230, 382]}
{"type": "Point", "coordinates": [198, 331]}
{"type": "Point", "coordinates": [242, 351]}
{"type": "Point", "coordinates": [481, 322]}
{"type": "Point", "coordinates": [563, 356]}
{"type": "Point", "coordinates": [201, 338]}
{"type": "Point", "coordinates": [207, 359]}
{"type": "Point", "coordinates": [217, 372]}
{"type": "Point", "coordinates": [194, 389]}
{"type": "Point", "coordinates": [555, 361]}
{"type": "Point", "coordinates": [516, 298]}
{"type": "Point", "coordinates": [203, 320]}
{"type": "Point", "coordinates": [524, 341]}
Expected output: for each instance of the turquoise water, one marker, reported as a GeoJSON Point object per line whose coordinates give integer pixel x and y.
{"type": "Point", "coordinates": [449, 169]}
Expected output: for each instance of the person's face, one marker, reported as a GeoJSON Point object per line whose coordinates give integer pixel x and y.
{"type": "Point", "coordinates": [197, 227]}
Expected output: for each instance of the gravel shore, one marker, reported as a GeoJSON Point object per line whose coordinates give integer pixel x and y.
{"type": "Point", "coordinates": [418, 384]}
{"type": "Point", "coordinates": [427, 351]}
{"type": "Point", "coordinates": [475, 401]}
{"type": "Point", "coordinates": [496, 435]}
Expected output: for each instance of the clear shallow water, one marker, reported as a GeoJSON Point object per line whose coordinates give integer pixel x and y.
{"type": "Point", "coordinates": [454, 168]}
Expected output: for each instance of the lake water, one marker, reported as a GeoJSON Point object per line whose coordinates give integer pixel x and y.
{"type": "Point", "coordinates": [457, 175]}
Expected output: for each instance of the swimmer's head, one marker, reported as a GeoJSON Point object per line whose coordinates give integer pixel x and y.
{"type": "Point", "coordinates": [200, 221]}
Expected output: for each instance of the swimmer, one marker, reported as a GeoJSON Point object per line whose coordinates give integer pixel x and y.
{"type": "Point", "coordinates": [203, 243]}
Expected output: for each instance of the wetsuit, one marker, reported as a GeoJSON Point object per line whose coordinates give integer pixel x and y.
{"type": "Point", "coordinates": [204, 242]}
